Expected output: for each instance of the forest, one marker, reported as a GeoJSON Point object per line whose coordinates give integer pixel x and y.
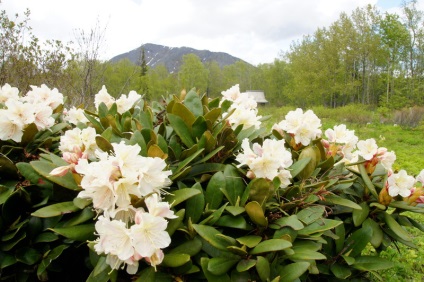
{"type": "Point", "coordinates": [366, 57]}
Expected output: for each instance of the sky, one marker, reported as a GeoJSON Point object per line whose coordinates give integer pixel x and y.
{"type": "Point", "coordinates": [257, 31]}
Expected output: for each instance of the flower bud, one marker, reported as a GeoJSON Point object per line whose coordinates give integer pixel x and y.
{"type": "Point", "coordinates": [384, 198]}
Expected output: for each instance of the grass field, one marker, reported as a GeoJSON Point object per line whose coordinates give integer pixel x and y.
{"type": "Point", "coordinates": [408, 144]}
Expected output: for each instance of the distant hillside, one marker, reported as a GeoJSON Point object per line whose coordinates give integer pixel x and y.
{"type": "Point", "coordinates": [172, 56]}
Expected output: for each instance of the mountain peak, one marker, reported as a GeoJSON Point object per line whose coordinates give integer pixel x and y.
{"type": "Point", "coordinates": [171, 57]}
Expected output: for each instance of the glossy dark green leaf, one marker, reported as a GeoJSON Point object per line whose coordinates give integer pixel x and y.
{"type": "Point", "coordinates": [174, 224]}
{"type": "Point", "coordinates": [234, 184]}
{"type": "Point", "coordinates": [310, 214]}
{"type": "Point", "coordinates": [196, 204]}
{"type": "Point", "coordinates": [7, 168]}
{"type": "Point", "coordinates": [28, 255]}
{"type": "Point", "coordinates": [183, 112]}
{"type": "Point", "coordinates": [271, 245]}
{"type": "Point", "coordinates": [137, 138]}
{"type": "Point", "coordinates": [208, 233]}
{"type": "Point", "coordinates": [303, 254]}
{"type": "Point", "coordinates": [44, 168]}
{"type": "Point", "coordinates": [291, 221]}
{"type": "Point", "coordinates": [245, 265]}
{"type": "Point", "coordinates": [46, 237]}
{"type": "Point", "coordinates": [179, 196]}
{"type": "Point", "coordinates": [104, 144]}
{"type": "Point", "coordinates": [190, 247]}
{"type": "Point", "coordinates": [237, 222]}
{"type": "Point", "coordinates": [320, 225]}
{"type": "Point", "coordinates": [377, 232]}
{"type": "Point", "coordinates": [175, 259]}
{"type": "Point", "coordinates": [213, 194]}
{"type": "Point", "coordinates": [298, 166]}
{"type": "Point", "coordinates": [292, 271]}
{"type": "Point", "coordinates": [221, 265]}
{"type": "Point", "coordinates": [396, 227]}
{"type": "Point", "coordinates": [182, 130]}
{"type": "Point", "coordinates": [256, 213]}
{"type": "Point", "coordinates": [340, 271]}
{"type": "Point", "coordinates": [263, 268]}
{"type": "Point", "coordinates": [84, 232]}
{"type": "Point", "coordinates": [260, 189]}
{"type": "Point", "coordinates": [6, 260]}
{"type": "Point", "coordinates": [30, 174]}
{"type": "Point", "coordinates": [250, 241]}
{"type": "Point", "coordinates": [204, 262]}
{"type": "Point", "coordinates": [360, 215]}
{"type": "Point", "coordinates": [52, 255]}
{"type": "Point", "coordinates": [337, 200]}
{"type": "Point", "coordinates": [356, 242]}
{"type": "Point", "coordinates": [56, 209]}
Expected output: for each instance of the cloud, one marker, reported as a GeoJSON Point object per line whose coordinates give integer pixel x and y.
{"type": "Point", "coordinates": [254, 30]}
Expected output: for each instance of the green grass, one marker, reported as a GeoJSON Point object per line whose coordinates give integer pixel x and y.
{"type": "Point", "coordinates": [407, 143]}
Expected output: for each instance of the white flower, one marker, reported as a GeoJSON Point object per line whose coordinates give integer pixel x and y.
{"type": "Point", "coordinates": [156, 258]}
{"type": "Point", "coordinates": [43, 116]}
{"type": "Point", "coordinates": [420, 177]}
{"type": "Point", "coordinates": [127, 158]}
{"type": "Point", "coordinates": [10, 129]}
{"type": "Point", "coordinates": [400, 184]}
{"type": "Point", "coordinates": [44, 95]}
{"type": "Point", "coordinates": [158, 208]}
{"type": "Point", "coordinates": [103, 96]}
{"type": "Point", "coordinates": [367, 149]}
{"type": "Point", "coordinates": [75, 116]}
{"type": "Point", "coordinates": [97, 183]}
{"type": "Point", "coordinates": [386, 158]}
{"type": "Point", "coordinates": [246, 117]}
{"type": "Point", "coordinates": [84, 139]}
{"type": "Point", "coordinates": [267, 161]}
{"type": "Point", "coordinates": [148, 234]}
{"type": "Point", "coordinates": [231, 94]}
{"type": "Point", "coordinates": [20, 112]}
{"type": "Point", "coordinates": [114, 238]}
{"type": "Point", "coordinates": [8, 92]}
{"type": "Point", "coordinates": [125, 103]}
{"type": "Point", "coordinates": [152, 176]}
{"type": "Point", "coordinates": [304, 127]}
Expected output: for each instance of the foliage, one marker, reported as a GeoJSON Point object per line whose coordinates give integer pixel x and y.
{"type": "Point", "coordinates": [232, 213]}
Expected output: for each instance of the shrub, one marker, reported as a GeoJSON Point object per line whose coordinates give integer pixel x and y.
{"type": "Point", "coordinates": [194, 189]}
{"type": "Point", "coordinates": [409, 117]}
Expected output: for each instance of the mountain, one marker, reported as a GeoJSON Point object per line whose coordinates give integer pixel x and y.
{"type": "Point", "coordinates": [171, 57]}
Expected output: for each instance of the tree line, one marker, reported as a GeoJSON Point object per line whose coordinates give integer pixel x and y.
{"type": "Point", "coordinates": [367, 57]}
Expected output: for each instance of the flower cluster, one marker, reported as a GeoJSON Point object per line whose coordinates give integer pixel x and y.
{"type": "Point", "coordinates": [74, 116]}
{"type": "Point", "coordinates": [124, 103]}
{"type": "Point", "coordinates": [303, 127]}
{"type": "Point", "coordinates": [267, 161]}
{"type": "Point", "coordinates": [340, 141]}
{"type": "Point", "coordinates": [244, 107]}
{"type": "Point", "coordinates": [17, 112]}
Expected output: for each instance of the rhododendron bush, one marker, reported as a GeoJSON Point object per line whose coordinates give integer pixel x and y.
{"type": "Point", "coordinates": [192, 189]}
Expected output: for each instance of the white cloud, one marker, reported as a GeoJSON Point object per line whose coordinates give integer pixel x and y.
{"type": "Point", "coordinates": [253, 30]}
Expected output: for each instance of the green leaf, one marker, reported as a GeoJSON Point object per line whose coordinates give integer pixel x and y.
{"type": "Point", "coordinates": [271, 245]}
{"type": "Point", "coordinates": [190, 247]}
{"type": "Point", "coordinates": [234, 184]}
{"type": "Point", "coordinates": [28, 255]}
{"type": "Point", "coordinates": [260, 189]}
{"type": "Point", "coordinates": [186, 161]}
{"type": "Point", "coordinates": [179, 196]}
{"type": "Point", "coordinates": [306, 255]}
{"type": "Point", "coordinates": [208, 233]}
{"type": "Point", "coordinates": [250, 241]}
{"type": "Point", "coordinates": [356, 242]}
{"type": "Point", "coordinates": [320, 226]}
{"type": "Point", "coordinates": [360, 215]}
{"type": "Point", "coordinates": [310, 214]}
{"type": "Point", "coordinates": [334, 199]}
{"type": "Point", "coordinates": [235, 211]}
{"type": "Point", "coordinates": [85, 215]}
{"type": "Point", "coordinates": [196, 204]}
{"type": "Point", "coordinates": [44, 168]}
{"type": "Point", "coordinates": [367, 180]}
{"type": "Point", "coordinates": [7, 168]}
{"type": "Point", "coordinates": [396, 227]}
{"type": "Point", "coordinates": [182, 130]}
{"type": "Point", "coordinates": [340, 271]}
{"type": "Point", "coordinates": [46, 237]}
{"type": "Point", "coordinates": [194, 103]}
{"type": "Point", "coordinates": [245, 265]}
{"type": "Point", "coordinates": [291, 221]}
{"type": "Point", "coordinates": [213, 194]}
{"type": "Point", "coordinates": [221, 265]}
{"type": "Point", "coordinates": [298, 166]}
{"type": "Point", "coordinates": [204, 262]}
{"type": "Point", "coordinates": [56, 209]}
{"type": "Point", "coordinates": [233, 222]}
{"type": "Point", "coordinates": [83, 232]}
{"type": "Point", "coordinates": [263, 268]}
{"type": "Point", "coordinates": [30, 174]}
{"type": "Point", "coordinates": [183, 112]}
{"type": "Point", "coordinates": [377, 233]}
{"type": "Point", "coordinates": [175, 260]}
{"type": "Point", "coordinates": [369, 263]}
{"type": "Point", "coordinates": [199, 127]}
{"type": "Point", "coordinates": [256, 213]}
{"type": "Point", "coordinates": [52, 255]}
{"type": "Point", "coordinates": [6, 260]}
{"type": "Point", "coordinates": [293, 271]}
{"type": "Point", "coordinates": [174, 224]}
{"type": "Point", "coordinates": [103, 144]}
